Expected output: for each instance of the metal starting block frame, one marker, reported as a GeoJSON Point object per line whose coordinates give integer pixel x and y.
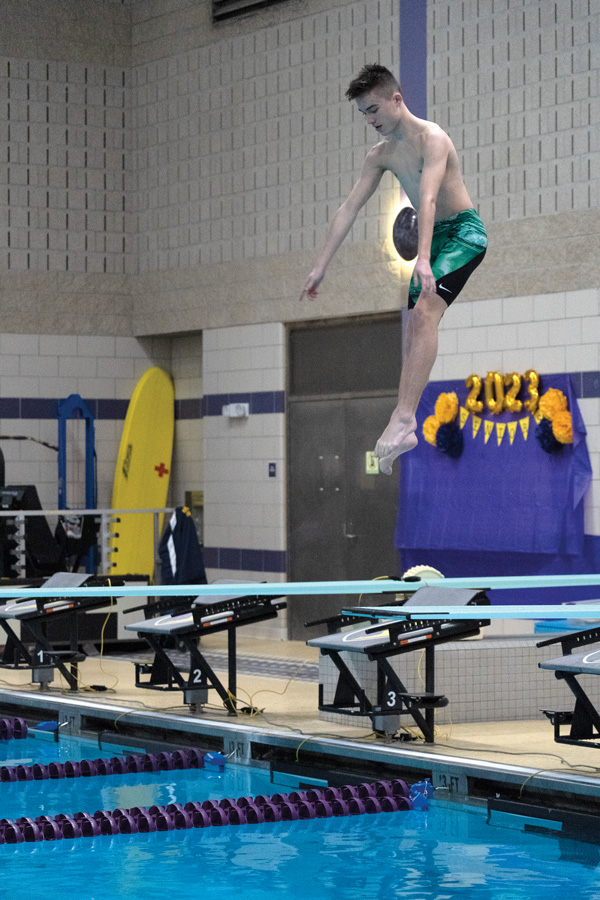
{"type": "Point", "coordinates": [584, 719]}
{"type": "Point", "coordinates": [34, 612]}
{"type": "Point", "coordinates": [206, 616]}
{"type": "Point", "coordinates": [388, 639]}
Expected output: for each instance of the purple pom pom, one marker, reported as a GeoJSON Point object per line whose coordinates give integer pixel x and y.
{"type": "Point", "coordinates": [545, 437]}
{"type": "Point", "coordinates": [449, 439]}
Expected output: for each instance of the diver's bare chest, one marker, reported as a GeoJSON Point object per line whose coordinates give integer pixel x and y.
{"type": "Point", "coordinates": [406, 165]}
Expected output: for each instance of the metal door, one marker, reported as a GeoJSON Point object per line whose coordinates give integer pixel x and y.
{"type": "Point", "coordinates": [341, 519]}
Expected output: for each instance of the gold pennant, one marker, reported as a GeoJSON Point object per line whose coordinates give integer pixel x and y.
{"type": "Point", "coordinates": [476, 425]}
{"type": "Point", "coordinates": [488, 428]}
{"type": "Point", "coordinates": [512, 430]}
{"type": "Point", "coordinates": [464, 415]}
{"type": "Point", "coordinates": [524, 423]}
{"type": "Point", "coordinates": [500, 429]}
{"type": "Point", "coordinates": [538, 417]}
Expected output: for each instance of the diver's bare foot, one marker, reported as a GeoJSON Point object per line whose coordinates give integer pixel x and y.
{"type": "Point", "coordinates": [399, 437]}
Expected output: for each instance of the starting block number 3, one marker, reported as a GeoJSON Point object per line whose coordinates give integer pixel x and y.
{"type": "Point", "coordinates": [392, 700]}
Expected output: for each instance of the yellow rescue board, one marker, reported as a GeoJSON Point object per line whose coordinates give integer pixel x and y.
{"type": "Point", "coordinates": [142, 472]}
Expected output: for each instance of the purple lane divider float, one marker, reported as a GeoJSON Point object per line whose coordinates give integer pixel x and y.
{"type": "Point", "coordinates": [13, 729]}
{"type": "Point", "coordinates": [117, 765]}
{"type": "Point", "coordinates": [315, 803]}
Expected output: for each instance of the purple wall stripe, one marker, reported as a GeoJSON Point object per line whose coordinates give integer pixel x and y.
{"type": "Point", "coordinates": [245, 560]}
{"type": "Point", "coordinates": [413, 55]}
{"type": "Point", "coordinates": [586, 385]}
{"type": "Point", "coordinates": [193, 408]}
{"type": "Point", "coordinates": [260, 402]}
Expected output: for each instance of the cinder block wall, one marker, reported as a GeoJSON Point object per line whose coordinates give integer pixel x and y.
{"type": "Point", "coordinates": [245, 144]}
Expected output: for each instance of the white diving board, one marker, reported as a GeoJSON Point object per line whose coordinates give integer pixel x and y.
{"type": "Point", "coordinates": [307, 588]}
{"type": "Point", "coordinates": [584, 610]}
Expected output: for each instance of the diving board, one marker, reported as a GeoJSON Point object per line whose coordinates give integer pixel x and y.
{"type": "Point", "coordinates": [583, 610]}
{"type": "Point", "coordinates": [306, 588]}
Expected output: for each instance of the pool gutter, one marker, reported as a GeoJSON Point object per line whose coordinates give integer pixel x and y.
{"type": "Point", "coordinates": [244, 742]}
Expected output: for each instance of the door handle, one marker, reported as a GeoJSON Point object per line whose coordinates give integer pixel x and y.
{"type": "Point", "coordinates": [349, 536]}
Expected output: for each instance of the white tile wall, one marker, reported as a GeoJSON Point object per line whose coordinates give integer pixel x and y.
{"type": "Point", "coordinates": [188, 456]}
{"type": "Point", "coordinates": [53, 367]}
{"type": "Point", "coordinates": [549, 334]}
{"type": "Point", "coordinates": [519, 333]}
{"type": "Point", "coordinates": [243, 507]}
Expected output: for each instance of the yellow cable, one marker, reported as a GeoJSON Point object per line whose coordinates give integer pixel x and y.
{"type": "Point", "coordinates": [254, 711]}
{"type": "Point", "coordinates": [83, 686]}
{"type": "Point", "coordinates": [108, 615]}
{"type": "Point", "coordinates": [377, 578]}
{"type": "Point", "coordinates": [280, 693]}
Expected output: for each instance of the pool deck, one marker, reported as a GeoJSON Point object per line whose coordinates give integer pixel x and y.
{"type": "Point", "coordinates": [286, 716]}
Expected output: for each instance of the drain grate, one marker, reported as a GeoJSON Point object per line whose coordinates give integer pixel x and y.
{"type": "Point", "coordinates": [247, 664]}
{"type": "Point", "coordinates": [298, 669]}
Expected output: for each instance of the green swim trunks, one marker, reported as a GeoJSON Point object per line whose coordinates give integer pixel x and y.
{"type": "Point", "coordinates": [458, 246]}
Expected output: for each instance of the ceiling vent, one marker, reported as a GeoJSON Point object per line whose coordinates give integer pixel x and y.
{"type": "Point", "coordinates": [227, 9]}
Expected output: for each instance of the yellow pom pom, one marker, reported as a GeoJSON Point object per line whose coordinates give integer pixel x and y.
{"type": "Point", "coordinates": [552, 402]}
{"type": "Point", "coordinates": [430, 429]}
{"type": "Point", "coordinates": [562, 427]}
{"type": "Point", "coordinates": [446, 408]}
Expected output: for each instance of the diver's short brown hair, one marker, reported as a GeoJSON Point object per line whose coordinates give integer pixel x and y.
{"type": "Point", "coordinates": [372, 77]}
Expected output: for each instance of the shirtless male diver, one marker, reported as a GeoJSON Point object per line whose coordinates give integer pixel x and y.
{"type": "Point", "coordinates": [451, 237]}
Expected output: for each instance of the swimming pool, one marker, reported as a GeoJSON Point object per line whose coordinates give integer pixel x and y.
{"type": "Point", "coordinates": [449, 850]}
{"type": "Point", "coordinates": [433, 855]}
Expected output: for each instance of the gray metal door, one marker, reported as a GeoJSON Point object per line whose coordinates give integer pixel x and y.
{"type": "Point", "coordinates": [341, 519]}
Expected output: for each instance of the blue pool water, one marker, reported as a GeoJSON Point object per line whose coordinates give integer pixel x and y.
{"type": "Point", "coordinates": [445, 852]}
{"type": "Point", "coordinates": [70, 795]}
{"type": "Point", "coordinates": [433, 855]}
{"type": "Point", "coordinates": [41, 747]}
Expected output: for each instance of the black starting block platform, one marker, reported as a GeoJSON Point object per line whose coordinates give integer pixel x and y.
{"type": "Point", "coordinates": [33, 648]}
{"type": "Point", "coordinates": [388, 639]}
{"type": "Point", "coordinates": [205, 615]}
{"type": "Point", "coordinates": [584, 719]}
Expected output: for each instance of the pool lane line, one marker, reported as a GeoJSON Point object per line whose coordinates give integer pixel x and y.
{"type": "Point", "coordinates": [315, 803]}
{"type": "Point", "coordinates": [133, 763]}
{"type": "Point", "coordinates": [13, 728]}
